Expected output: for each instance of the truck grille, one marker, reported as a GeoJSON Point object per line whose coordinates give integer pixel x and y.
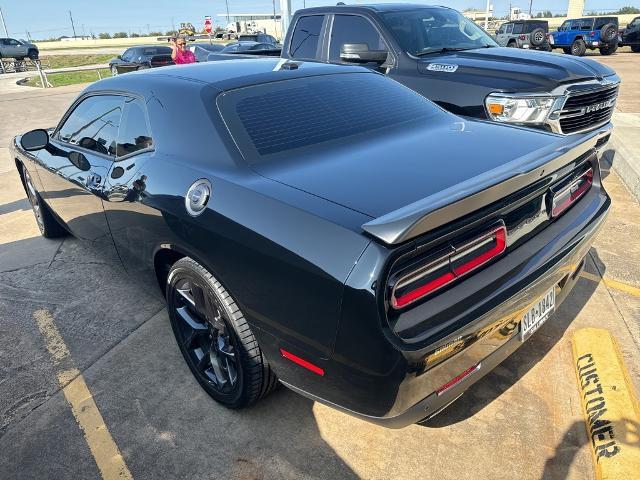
{"type": "Point", "coordinates": [584, 111]}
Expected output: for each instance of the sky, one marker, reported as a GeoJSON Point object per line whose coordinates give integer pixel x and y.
{"type": "Point", "coordinates": [50, 18]}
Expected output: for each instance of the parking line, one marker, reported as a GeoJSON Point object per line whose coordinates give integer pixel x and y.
{"type": "Point", "coordinates": [609, 404]}
{"type": "Point", "coordinates": [104, 450]}
{"type": "Point", "coordinates": [623, 287]}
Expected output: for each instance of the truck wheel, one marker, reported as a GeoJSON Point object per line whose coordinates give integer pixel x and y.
{"type": "Point", "coordinates": [48, 225]}
{"type": "Point", "coordinates": [114, 71]}
{"type": "Point", "coordinates": [609, 33]}
{"type": "Point", "coordinates": [578, 48]}
{"type": "Point", "coordinates": [635, 48]}
{"type": "Point", "coordinates": [214, 337]}
{"type": "Point", "coordinates": [537, 37]}
{"type": "Point", "coordinates": [512, 44]}
{"type": "Point", "coordinates": [609, 49]}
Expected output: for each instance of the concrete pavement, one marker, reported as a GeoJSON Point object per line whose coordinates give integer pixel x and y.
{"type": "Point", "coordinates": [521, 421]}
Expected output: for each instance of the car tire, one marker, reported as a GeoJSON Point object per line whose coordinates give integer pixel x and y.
{"type": "Point", "coordinates": [215, 338]}
{"type": "Point", "coordinates": [33, 54]}
{"type": "Point", "coordinates": [114, 71]}
{"type": "Point", "coordinates": [609, 49]}
{"type": "Point", "coordinates": [567, 50]}
{"type": "Point", "coordinates": [537, 37]}
{"type": "Point", "coordinates": [47, 223]}
{"type": "Point", "coordinates": [635, 48]}
{"type": "Point", "coordinates": [512, 44]}
{"type": "Point", "coordinates": [609, 33]}
{"type": "Point", "coordinates": [578, 48]}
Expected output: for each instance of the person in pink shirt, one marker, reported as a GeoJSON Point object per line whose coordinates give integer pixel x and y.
{"type": "Point", "coordinates": [180, 54]}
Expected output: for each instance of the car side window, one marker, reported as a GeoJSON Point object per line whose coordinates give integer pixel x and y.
{"type": "Point", "coordinates": [306, 37]}
{"type": "Point", "coordinates": [128, 55]}
{"type": "Point", "coordinates": [518, 28]}
{"type": "Point", "coordinates": [353, 29]}
{"type": "Point", "coordinates": [509, 28]}
{"type": "Point", "coordinates": [94, 124]}
{"type": "Point", "coordinates": [134, 134]}
{"type": "Point", "coordinates": [13, 42]}
{"type": "Point", "coordinates": [500, 30]}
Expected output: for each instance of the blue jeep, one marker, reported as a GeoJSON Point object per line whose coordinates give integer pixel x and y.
{"type": "Point", "coordinates": [575, 36]}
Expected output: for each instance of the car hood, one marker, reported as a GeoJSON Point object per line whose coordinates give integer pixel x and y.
{"type": "Point", "coordinates": [389, 171]}
{"type": "Point", "coordinates": [511, 69]}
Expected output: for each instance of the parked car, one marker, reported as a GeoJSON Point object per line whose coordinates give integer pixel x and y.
{"type": "Point", "coordinates": [532, 34]}
{"type": "Point", "coordinates": [575, 36]}
{"type": "Point", "coordinates": [246, 46]}
{"type": "Point", "coordinates": [447, 58]}
{"type": "Point", "coordinates": [18, 49]}
{"type": "Point", "coordinates": [202, 50]}
{"type": "Point", "coordinates": [141, 58]}
{"type": "Point", "coordinates": [289, 246]}
{"type": "Point", "coordinates": [630, 36]}
{"type": "Point", "coordinates": [258, 38]}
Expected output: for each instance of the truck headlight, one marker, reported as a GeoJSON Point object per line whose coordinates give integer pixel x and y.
{"type": "Point", "coordinates": [525, 110]}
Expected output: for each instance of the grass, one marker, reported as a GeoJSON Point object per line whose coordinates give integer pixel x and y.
{"type": "Point", "coordinates": [62, 61]}
{"type": "Point", "coordinates": [71, 78]}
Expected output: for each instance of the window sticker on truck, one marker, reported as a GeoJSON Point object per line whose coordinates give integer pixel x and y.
{"type": "Point", "coordinates": [442, 67]}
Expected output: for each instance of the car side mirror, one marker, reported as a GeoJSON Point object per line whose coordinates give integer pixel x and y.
{"type": "Point", "coordinates": [34, 140]}
{"type": "Point", "coordinates": [360, 53]}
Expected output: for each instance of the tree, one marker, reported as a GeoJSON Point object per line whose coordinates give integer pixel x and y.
{"type": "Point", "coordinates": [628, 11]}
{"type": "Point", "coordinates": [155, 34]}
{"type": "Point", "coordinates": [171, 33]}
{"type": "Point", "coordinates": [135, 35]}
{"type": "Point", "coordinates": [104, 36]}
{"type": "Point", "coordinates": [121, 35]}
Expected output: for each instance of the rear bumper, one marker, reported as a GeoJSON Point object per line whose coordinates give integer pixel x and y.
{"type": "Point", "coordinates": [490, 339]}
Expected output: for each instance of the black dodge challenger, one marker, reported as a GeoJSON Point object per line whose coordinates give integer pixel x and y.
{"type": "Point", "coordinates": [322, 226]}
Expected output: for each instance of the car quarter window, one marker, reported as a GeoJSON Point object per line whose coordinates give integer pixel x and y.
{"type": "Point", "coordinates": [94, 124]}
{"type": "Point", "coordinates": [353, 29]}
{"type": "Point", "coordinates": [509, 28]}
{"type": "Point", "coordinates": [135, 134]}
{"type": "Point", "coordinates": [306, 36]}
{"type": "Point", "coordinates": [518, 28]}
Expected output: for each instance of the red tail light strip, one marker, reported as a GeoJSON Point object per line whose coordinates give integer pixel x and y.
{"type": "Point", "coordinates": [463, 260]}
{"type": "Point", "coordinates": [454, 381]}
{"type": "Point", "coordinates": [567, 197]}
{"type": "Point", "coordinates": [302, 362]}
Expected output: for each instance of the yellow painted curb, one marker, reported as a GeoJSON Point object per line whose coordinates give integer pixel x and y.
{"type": "Point", "coordinates": [609, 404]}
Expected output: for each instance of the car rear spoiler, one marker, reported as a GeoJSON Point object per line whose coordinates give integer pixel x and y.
{"type": "Point", "coordinates": [438, 209]}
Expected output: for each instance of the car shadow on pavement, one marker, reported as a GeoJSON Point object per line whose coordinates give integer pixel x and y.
{"type": "Point", "coordinates": [18, 205]}
{"type": "Point", "coordinates": [575, 437]}
{"type": "Point", "coordinates": [511, 370]}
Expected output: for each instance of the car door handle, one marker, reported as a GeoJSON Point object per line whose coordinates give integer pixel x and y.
{"type": "Point", "coordinates": [93, 180]}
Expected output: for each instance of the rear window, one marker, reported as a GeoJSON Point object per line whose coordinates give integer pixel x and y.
{"type": "Point", "coordinates": [148, 51]}
{"type": "Point", "coordinates": [269, 119]}
{"type": "Point", "coordinates": [518, 28]}
{"type": "Point", "coordinates": [530, 27]}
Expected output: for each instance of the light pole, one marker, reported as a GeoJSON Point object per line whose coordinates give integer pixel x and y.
{"type": "Point", "coordinates": [486, 15]}
{"type": "Point", "coordinates": [73, 27]}
{"type": "Point", "coordinates": [4, 25]}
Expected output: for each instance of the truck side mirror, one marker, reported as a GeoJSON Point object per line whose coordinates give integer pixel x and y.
{"type": "Point", "coordinates": [360, 53]}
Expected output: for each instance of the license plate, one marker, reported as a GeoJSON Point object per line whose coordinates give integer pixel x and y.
{"type": "Point", "coordinates": [537, 314]}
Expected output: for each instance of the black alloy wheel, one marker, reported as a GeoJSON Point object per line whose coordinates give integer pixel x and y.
{"type": "Point", "coordinates": [214, 338]}
{"type": "Point", "coordinates": [47, 224]}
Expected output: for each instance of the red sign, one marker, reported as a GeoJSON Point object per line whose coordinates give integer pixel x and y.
{"type": "Point", "coordinates": [207, 24]}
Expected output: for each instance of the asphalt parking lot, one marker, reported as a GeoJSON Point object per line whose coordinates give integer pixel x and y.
{"type": "Point", "coordinates": [62, 309]}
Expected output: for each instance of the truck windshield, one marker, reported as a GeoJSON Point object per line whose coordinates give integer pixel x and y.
{"type": "Point", "coordinates": [429, 30]}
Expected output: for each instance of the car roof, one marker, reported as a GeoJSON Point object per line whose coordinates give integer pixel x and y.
{"type": "Point", "coordinates": [376, 7]}
{"type": "Point", "coordinates": [225, 75]}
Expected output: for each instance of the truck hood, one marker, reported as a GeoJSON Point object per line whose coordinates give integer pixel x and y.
{"type": "Point", "coordinates": [389, 171]}
{"type": "Point", "coordinates": [513, 70]}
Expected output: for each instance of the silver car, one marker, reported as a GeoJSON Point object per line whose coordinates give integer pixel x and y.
{"type": "Point", "coordinates": [18, 49]}
{"type": "Point", "coordinates": [530, 34]}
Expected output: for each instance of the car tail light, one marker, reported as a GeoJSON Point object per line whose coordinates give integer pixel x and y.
{"type": "Point", "coordinates": [522, 37]}
{"type": "Point", "coordinates": [566, 197]}
{"type": "Point", "coordinates": [460, 261]}
{"type": "Point", "coordinates": [455, 381]}
{"type": "Point", "coordinates": [302, 362]}
{"type": "Point", "coordinates": [592, 34]}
